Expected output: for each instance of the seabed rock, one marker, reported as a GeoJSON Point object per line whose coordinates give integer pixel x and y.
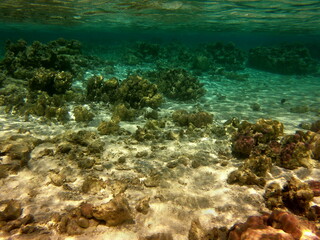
{"type": "Point", "coordinates": [113, 213]}
{"type": "Point", "coordinates": [277, 225]}
{"type": "Point", "coordinates": [10, 210]}
{"type": "Point", "coordinates": [16, 152]}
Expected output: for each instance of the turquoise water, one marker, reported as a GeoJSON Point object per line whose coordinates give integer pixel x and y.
{"type": "Point", "coordinates": [81, 120]}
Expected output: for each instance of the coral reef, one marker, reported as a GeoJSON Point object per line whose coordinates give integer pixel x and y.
{"type": "Point", "coordinates": [100, 90]}
{"type": "Point", "coordinates": [170, 163]}
{"type": "Point", "coordinates": [147, 51]}
{"type": "Point", "coordinates": [249, 136]}
{"type": "Point", "coordinates": [198, 119]}
{"type": "Point", "coordinates": [315, 126]}
{"type": "Point", "coordinates": [296, 151]}
{"type": "Point", "coordinates": [277, 225]}
{"type": "Point", "coordinates": [260, 146]}
{"type": "Point", "coordinates": [273, 196]}
{"type": "Point", "coordinates": [226, 55]}
{"type": "Point", "coordinates": [134, 91]}
{"type": "Point", "coordinates": [284, 59]}
{"type": "Point", "coordinates": [245, 177]}
{"type": "Point", "coordinates": [138, 92]}
{"type": "Point", "coordinates": [263, 131]}
{"type": "Point", "coordinates": [52, 82]}
{"type": "Point", "coordinates": [315, 146]}
{"type": "Point", "coordinates": [40, 72]}
{"type": "Point", "coordinates": [2, 79]}
{"type": "Point", "coordinates": [152, 130]}
{"type": "Point", "coordinates": [177, 84]}
{"type": "Point", "coordinates": [82, 114]}
{"type": "Point", "coordinates": [17, 98]}
{"type": "Point", "coordinates": [259, 165]}
{"type": "Point", "coordinates": [315, 186]}
{"type": "Point", "coordinates": [140, 52]}
{"type": "Point", "coordinates": [295, 196]}
{"type": "Point", "coordinates": [201, 63]}
{"type": "Point", "coordinates": [252, 172]}
{"type": "Point", "coordinates": [21, 60]}
{"type": "Point", "coordinates": [12, 95]}
{"type": "Point", "coordinates": [110, 127]}
{"type": "Point", "coordinates": [41, 104]}
{"type": "Point", "coordinates": [243, 146]}
{"type": "Point", "coordinates": [122, 113]}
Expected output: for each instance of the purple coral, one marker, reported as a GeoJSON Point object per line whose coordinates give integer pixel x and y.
{"type": "Point", "coordinates": [243, 146]}
{"type": "Point", "coordinates": [295, 151]}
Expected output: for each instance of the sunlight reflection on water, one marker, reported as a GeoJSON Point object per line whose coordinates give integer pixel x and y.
{"type": "Point", "coordinates": [283, 16]}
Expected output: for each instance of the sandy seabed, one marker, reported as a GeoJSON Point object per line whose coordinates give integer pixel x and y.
{"type": "Point", "coordinates": [178, 193]}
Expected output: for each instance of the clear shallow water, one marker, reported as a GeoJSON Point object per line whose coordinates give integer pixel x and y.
{"type": "Point", "coordinates": [110, 29]}
{"type": "Point", "coordinates": [246, 23]}
{"type": "Point", "coordinates": [276, 16]}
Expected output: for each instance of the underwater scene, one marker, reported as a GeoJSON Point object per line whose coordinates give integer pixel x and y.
{"type": "Point", "coordinates": [159, 120]}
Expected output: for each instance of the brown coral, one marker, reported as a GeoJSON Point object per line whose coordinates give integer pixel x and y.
{"type": "Point", "coordinates": [198, 119]}
{"type": "Point", "coordinates": [279, 225]}
{"type": "Point", "coordinates": [138, 92]}
{"type": "Point", "coordinates": [296, 196]}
